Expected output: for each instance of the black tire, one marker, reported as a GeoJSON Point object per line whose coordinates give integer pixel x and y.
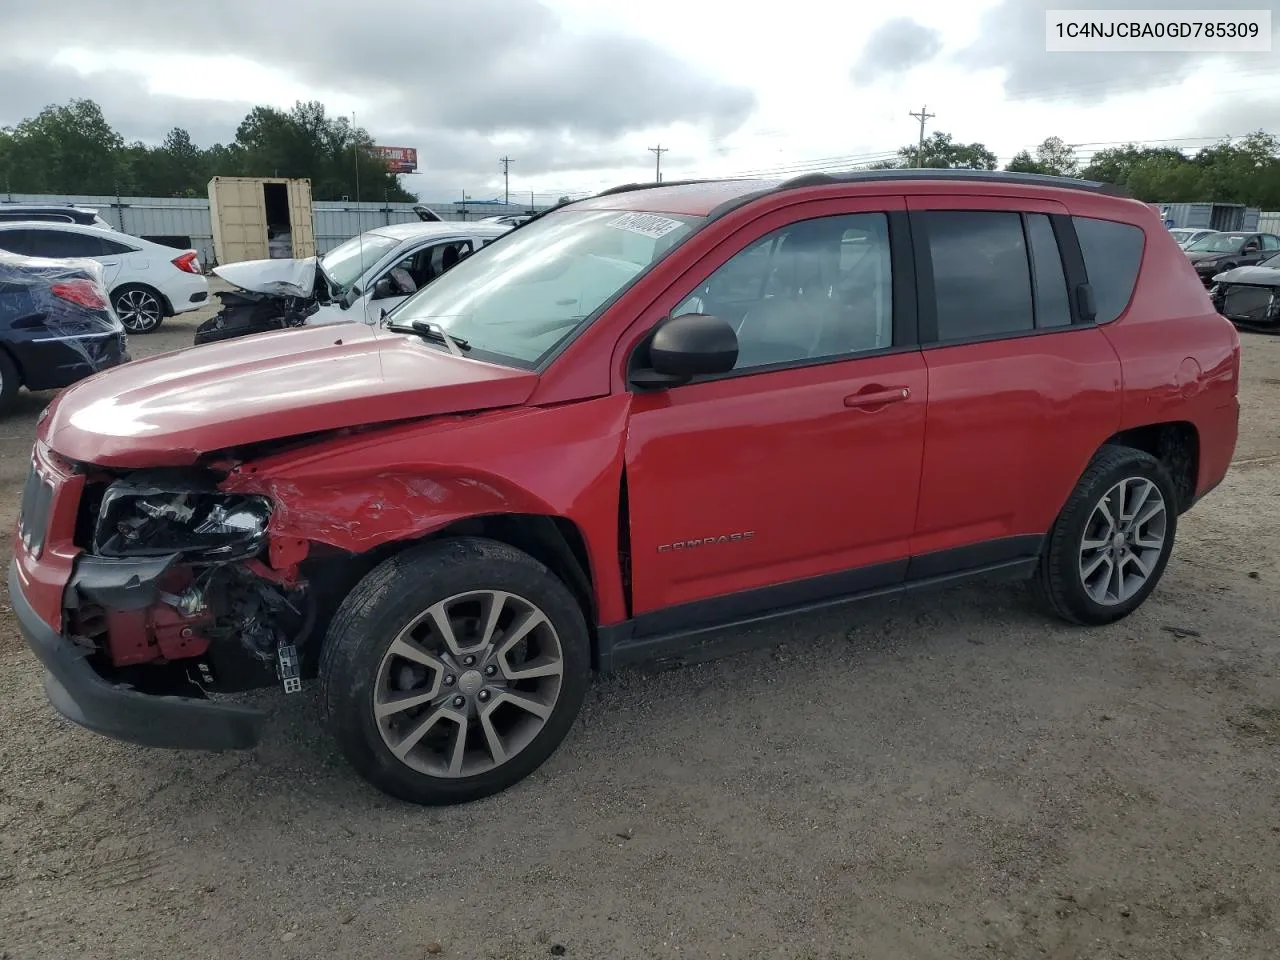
{"type": "Point", "coordinates": [9, 381]}
{"type": "Point", "coordinates": [141, 309]}
{"type": "Point", "coordinates": [1058, 583]}
{"type": "Point", "coordinates": [391, 597]}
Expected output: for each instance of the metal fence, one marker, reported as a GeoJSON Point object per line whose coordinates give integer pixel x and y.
{"type": "Point", "coordinates": [187, 220]}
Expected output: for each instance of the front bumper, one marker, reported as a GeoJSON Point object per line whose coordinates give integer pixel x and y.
{"type": "Point", "coordinates": [81, 695]}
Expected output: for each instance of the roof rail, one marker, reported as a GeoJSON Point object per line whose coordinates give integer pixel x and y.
{"type": "Point", "coordinates": [628, 187]}
{"type": "Point", "coordinates": [947, 173]}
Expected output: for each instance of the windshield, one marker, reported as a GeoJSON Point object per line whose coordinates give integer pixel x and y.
{"type": "Point", "coordinates": [518, 300]}
{"type": "Point", "coordinates": [1218, 243]}
{"type": "Point", "coordinates": [1272, 262]}
{"type": "Point", "coordinates": [347, 262]}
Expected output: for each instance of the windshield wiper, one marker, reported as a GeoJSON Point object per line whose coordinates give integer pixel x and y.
{"type": "Point", "coordinates": [430, 330]}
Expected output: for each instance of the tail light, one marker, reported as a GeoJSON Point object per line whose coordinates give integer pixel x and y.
{"type": "Point", "coordinates": [189, 262]}
{"type": "Point", "coordinates": [86, 293]}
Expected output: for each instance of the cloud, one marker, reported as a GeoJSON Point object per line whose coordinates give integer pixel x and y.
{"type": "Point", "coordinates": [27, 88]}
{"type": "Point", "coordinates": [482, 65]}
{"type": "Point", "coordinates": [1012, 38]}
{"type": "Point", "coordinates": [895, 47]}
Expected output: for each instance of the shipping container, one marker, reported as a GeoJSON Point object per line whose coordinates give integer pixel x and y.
{"type": "Point", "coordinates": [260, 218]}
{"type": "Point", "coordinates": [1211, 216]}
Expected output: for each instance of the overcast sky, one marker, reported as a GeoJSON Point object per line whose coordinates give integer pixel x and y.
{"type": "Point", "coordinates": [576, 91]}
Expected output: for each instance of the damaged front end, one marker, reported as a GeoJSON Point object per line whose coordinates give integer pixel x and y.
{"type": "Point", "coordinates": [269, 295]}
{"type": "Point", "coordinates": [176, 592]}
{"type": "Point", "coordinates": [1249, 297]}
{"type": "Point", "coordinates": [244, 312]}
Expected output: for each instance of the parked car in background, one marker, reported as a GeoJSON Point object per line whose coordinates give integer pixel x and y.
{"type": "Point", "coordinates": [1228, 249]}
{"type": "Point", "coordinates": [56, 324]}
{"type": "Point", "coordinates": [355, 281]}
{"type": "Point", "coordinates": [1250, 296]}
{"type": "Point", "coordinates": [146, 281]}
{"type": "Point", "coordinates": [53, 213]}
{"type": "Point", "coordinates": [1189, 235]}
{"type": "Point", "coordinates": [642, 417]}
{"type": "Point", "coordinates": [512, 220]}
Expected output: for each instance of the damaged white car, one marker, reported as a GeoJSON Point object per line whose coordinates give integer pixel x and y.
{"type": "Point", "coordinates": [355, 281]}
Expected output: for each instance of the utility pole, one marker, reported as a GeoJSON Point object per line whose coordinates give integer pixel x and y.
{"type": "Point", "coordinates": [658, 151]}
{"type": "Point", "coordinates": [506, 179]}
{"type": "Point", "coordinates": [922, 116]}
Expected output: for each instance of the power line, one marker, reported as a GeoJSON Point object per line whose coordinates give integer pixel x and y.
{"type": "Point", "coordinates": [922, 116]}
{"type": "Point", "coordinates": [658, 151]}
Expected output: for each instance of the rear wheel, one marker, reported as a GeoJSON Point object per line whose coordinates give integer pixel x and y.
{"type": "Point", "coordinates": [454, 670]}
{"type": "Point", "coordinates": [139, 308]}
{"type": "Point", "coordinates": [1112, 541]}
{"type": "Point", "coordinates": [8, 382]}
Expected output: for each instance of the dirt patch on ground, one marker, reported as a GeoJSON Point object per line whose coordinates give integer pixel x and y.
{"type": "Point", "coordinates": [946, 777]}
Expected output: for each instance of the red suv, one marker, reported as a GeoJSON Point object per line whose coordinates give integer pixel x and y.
{"type": "Point", "coordinates": [635, 419]}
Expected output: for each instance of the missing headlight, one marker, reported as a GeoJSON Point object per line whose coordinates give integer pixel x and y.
{"type": "Point", "coordinates": [138, 519]}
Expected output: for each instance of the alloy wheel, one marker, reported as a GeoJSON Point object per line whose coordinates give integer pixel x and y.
{"type": "Point", "coordinates": [138, 310]}
{"type": "Point", "coordinates": [468, 684]}
{"type": "Point", "coordinates": [1123, 541]}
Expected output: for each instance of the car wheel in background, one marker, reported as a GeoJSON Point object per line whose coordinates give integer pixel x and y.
{"type": "Point", "coordinates": [139, 308]}
{"type": "Point", "coordinates": [8, 381]}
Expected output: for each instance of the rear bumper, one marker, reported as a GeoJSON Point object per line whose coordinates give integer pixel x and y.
{"type": "Point", "coordinates": [81, 695]}
{"type": "Point", "coordinates": [53, 362]}
{"type": "Point", "coordinates": [186, 291]}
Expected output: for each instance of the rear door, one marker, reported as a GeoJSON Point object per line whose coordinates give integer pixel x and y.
{"type": "Point", "coordinates": [1021, 392]}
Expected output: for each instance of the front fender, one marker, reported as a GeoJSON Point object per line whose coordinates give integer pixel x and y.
{"type": "Point", "coordinates": [403, 482]}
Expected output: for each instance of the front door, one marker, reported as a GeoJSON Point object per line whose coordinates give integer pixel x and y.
{"type": "Point", "coordinates": [793, 479]}
{"type": "Point", "coordinates": [420, 267]}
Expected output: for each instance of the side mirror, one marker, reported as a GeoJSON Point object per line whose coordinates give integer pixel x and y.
{"type": "Point", "coordinates": [386, 287]}
{"type": "Point", "coordinates": [687, 346]}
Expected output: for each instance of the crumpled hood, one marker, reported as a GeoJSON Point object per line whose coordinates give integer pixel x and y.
{"type": "Point", "coordinates": [1255, 276]}
{"type": "Point", "coordinates": [283, 278]}
{"type": "Point", "coordinates": [170, 409]}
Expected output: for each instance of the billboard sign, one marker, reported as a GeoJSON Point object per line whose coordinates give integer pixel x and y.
{"type": "Point", "coordinates": [398, 159]}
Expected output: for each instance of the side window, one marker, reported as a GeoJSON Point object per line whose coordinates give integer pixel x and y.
{"type": "Point", "coordinates": [112, 249]}
{"type": "Point", "coordinates": [981, 280]}
{"type": "Point", "coordinates": [16, 241]}
{"type": "Point", "coordinates": [1053, 308]}
{"type": "Point", "coordinates": [1270, 242]}
{"type": "Point", "coordinates": [812, 290]}
{"type": "Point", "coordinates": [1112, 254]}
{"type": "Point", "coordinates": [63, 243]}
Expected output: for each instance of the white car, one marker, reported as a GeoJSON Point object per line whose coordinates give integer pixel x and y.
{"type": "Point", "coordinates": [147, 281]}
{"type": "Point", "coordinates": [1189, 235]}
{"type": "Point", "coordinates": [511, 220]}
{"type": "Point", "coordinates": [369, 273]}
{"type": "Point", "coordinates": [55, 212]}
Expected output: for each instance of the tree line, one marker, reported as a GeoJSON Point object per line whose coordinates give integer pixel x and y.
{"type": "Point", "coordinates": [1245, 171]}
{"type": "Point", "coordinates": [72, 149]}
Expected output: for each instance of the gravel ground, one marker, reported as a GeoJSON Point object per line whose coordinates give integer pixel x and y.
{"type": "Point", "coordinates": [953, 776]}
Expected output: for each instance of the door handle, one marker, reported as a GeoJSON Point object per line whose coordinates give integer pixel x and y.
{"type": "Point", "coordinates": [876, 396]}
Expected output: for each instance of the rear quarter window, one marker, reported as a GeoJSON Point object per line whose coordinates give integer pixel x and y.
{"type": "Point", "coordinates": [1112, 256]}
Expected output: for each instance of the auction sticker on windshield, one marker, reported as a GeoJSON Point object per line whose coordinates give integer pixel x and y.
{"type": "Point", "coordinates": [646, 224]}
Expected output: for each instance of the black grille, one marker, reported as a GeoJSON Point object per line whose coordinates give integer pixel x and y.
{"type": "Point", "coordinates": [1247, 303]}
{"type": "Point", "coordinates": [33, 522]}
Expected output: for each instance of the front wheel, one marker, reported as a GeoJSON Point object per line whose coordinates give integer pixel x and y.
{"type": "Point", "coordinates": [1112, 541]}
{"type": "Point", "coordinates": [453, 670]}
